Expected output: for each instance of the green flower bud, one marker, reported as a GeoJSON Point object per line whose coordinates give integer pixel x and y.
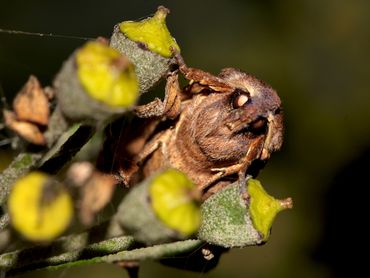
{"type": "Point", "coordinates": [95, 83]}
{"type": "Point", "coordinates": [103, 78]}
{"type": "Point", "coordinates": [263, 208]}
{"type": "Point", "coordinates": [229, 220]}
{"type": "Point", "coordinates": [161, 209]}
{"type": "Point", "coordinates": [153, 32]}
{"type": "Point", "coordinates": [148, 44]}
{"type": "Point", "coordinates": [172, 195]}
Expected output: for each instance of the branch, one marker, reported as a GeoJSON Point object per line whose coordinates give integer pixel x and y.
{"type": "Point", "coordinates": [81, 257]}
{"type": "Point", "coordinates": [41, 257]}
{"type": "Point", "coordinates": [20, 165]}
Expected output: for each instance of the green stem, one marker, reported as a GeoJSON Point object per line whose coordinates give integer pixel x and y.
{"type": "Point", "coordinates": [22, 261]}
{"type": "Point", "coordinates": [21, 164]}
{"type": "Point", "coordinates": [156, 252]}
{"type": "Point", "coordinates": [4, 221]}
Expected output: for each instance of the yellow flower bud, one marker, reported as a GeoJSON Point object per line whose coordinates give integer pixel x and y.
{"type": "Point", "coordinates": [172, 196]}
{"type": "Point", "coordinates": [153, 32]}
{"type": "Point", "coordinates": [263, 207]}
{"type": "Point", "coordinates": [40, 209]}
{"type": "Point", "coordinates": [106, 75]}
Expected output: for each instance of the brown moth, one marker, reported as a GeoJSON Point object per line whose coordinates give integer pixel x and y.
{"type": "Point", "coordinates": [216, 128]}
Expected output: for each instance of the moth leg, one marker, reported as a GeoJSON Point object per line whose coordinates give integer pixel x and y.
{"type": "Point", "coordinates": [199, 79]}
{"type": "Point", "coordinates": [239, 168]}
{"type": "Point", "coordinates": [253, 153]}
{"type": "Point", "coordinates": [273, 140]}
{"type": "Point", "coordinates": [127, 173]}
{"type": "Point", "coordinates": [192, 74]}
{"type": "Point", "coordinates": [220, 173]}
{"type": "Point", "coordinates": [149, 148]}
{"type": "Point", "coordinates": [153, 145]}
{"type": "Point", "coordinates": [169, 107]}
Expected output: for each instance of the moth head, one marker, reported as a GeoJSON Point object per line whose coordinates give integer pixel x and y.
{"type": "Point", "coordinates": [255, 109]}
{"type": "Point", "coordinates": [237, 109]}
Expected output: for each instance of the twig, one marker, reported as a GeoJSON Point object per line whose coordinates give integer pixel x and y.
{"type": "Point", "coordinates": [20, 166]}
{"type": "Point", "coordinates": [4, 221]}
{"type": "Point", "coordinates": [147, 253]}
{"type": "Point", "coordinates": [26, 260]}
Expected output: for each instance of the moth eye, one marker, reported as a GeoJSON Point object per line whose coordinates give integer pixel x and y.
{"type": "Point", "coordinates": [240, 99]}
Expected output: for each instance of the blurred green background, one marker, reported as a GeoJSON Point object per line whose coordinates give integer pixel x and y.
{"type": "Point", "coordinates": [314, 53]}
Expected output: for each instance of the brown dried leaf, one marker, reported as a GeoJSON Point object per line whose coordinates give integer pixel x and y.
{"type": "Point", "coordinates": [28, 131]}
{"type": "Point", "coordinates": [96, 194]}
{"type": "Point", "coordinates": [31, 103]}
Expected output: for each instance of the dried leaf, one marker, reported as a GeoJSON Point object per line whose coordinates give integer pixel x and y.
{"type": "Point", "coordinates": [96, 189]}
{"type": "Point", "coordinates": [28, 131]}
{"type": "Point", "coordinates": [96, 194]}
{"type": "Point", "coordinates": [31, 103]}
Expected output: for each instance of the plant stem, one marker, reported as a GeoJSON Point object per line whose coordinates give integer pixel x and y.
{"type": "Point", "coordinates": [96, 253]}
{"type": "Point", "coordinates": [156, 252]}
{"type": "Point", "coordinates": [21, 164]}
{"type": "Point", "coordinates": [55, 254]}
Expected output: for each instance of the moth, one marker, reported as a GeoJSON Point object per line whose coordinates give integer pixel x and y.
{"type": "Point", "coordinates": [216, 129]}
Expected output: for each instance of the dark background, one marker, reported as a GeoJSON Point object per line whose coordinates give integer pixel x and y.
{"type": "Point", "coordinates": [314, 53]}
